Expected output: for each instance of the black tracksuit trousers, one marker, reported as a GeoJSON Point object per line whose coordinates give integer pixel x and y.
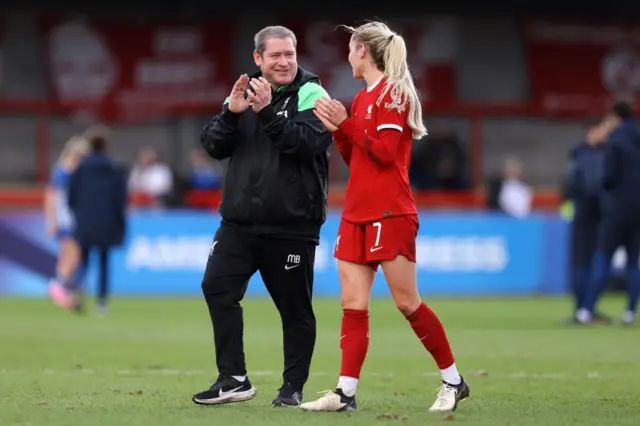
{"type": "Point", "coordinates": [286, 267]}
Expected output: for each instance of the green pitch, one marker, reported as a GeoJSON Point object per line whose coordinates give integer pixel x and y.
{"type": "Point", "coordinates": [140, 365]}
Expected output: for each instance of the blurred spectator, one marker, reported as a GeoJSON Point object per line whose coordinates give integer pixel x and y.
{"type": "Point", "coordinates": [150, 178]}
{"type": "Point", "coordinates": [98, 200]}
{"type": "Point", "coordinates": [58, 215]}
{"type": "Point", "coordinates": [439, 163]}
{"type": "Point", "coordinates": [204, 173]}
{"type": "Point", "coordinates": [508, 192]}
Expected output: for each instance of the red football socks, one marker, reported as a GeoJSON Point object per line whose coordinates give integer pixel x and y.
{"type": "Point", "coordinates": [354, 341]}
{"type": "Point", "coordinates": [429, 329]}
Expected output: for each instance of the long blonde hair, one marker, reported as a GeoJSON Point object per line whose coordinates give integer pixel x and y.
{"type": "Point", "coordinates": [76, 145]}
{"type": "Point", "coordinates": [389, 52]}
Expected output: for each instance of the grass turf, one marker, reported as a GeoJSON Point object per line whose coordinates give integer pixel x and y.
{"type": "Point", "coordinates": [140, 364]}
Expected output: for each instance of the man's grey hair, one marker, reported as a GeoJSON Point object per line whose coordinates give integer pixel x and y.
{"type": "Point", "coordinates": [274, 31]}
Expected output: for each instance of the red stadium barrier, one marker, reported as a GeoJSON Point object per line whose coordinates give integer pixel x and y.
{"type": "Point", "coordinates": [473, 112]}
{"type": "Point", "coordinates": [203, 198]}
{"type": "Point", "coordinates": [542, 200]}
{"type": "Point", "coordinates": [32, 198]}
{"type": "Point", "coordinates": [21, 198]}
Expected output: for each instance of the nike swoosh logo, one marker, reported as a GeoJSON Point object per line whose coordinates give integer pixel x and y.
{"type": "Point", "coordinates": [222, 393]}
{"type": "Point", "coordinates": [372, 249]}
{"type": "Point", "coordinates": [287, 267]}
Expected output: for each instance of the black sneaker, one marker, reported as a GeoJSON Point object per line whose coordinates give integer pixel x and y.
{"type": "Point", "coordinates": [288, 396]}
{"type": "Point", "coordinates": [226, 390]}
{"type": "Point", "coordinates": [332, 401]}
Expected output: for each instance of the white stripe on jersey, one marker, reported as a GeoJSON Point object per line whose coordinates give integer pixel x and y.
{"type": "Point", "coordinates": [390, 126]}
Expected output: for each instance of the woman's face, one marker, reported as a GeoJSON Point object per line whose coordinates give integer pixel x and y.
{"type": "Point", "coordinates": [356, 59]}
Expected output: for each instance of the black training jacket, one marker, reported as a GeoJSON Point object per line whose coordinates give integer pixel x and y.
{"type": "Point", "coordinates": [622, 171]}
{"type": "Point", "coordinates": [277, 180]}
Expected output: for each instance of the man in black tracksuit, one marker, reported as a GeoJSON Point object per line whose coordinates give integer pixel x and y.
{"type": "Point", "coordinates": [584, 189]}
{"type": "Point", "coordinates": [273, 205]}
{"type": "Point", "coordinates": [620, 224]}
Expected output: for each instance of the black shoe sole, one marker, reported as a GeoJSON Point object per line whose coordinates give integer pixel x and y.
{"type": "Point", "coordinates": [347, 409]}
{"type": "Point", "coordinates": [277, 402]}
{"type": "Point", "coordinates": [226, 401]}
{"type": "Point", "coordinates": [220, 403]}
{"type": "Point", "coordinates": [282, 404]}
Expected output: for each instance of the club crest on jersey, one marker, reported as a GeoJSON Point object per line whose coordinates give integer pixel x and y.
{"type": "Point", "coordinates": [368, 116]}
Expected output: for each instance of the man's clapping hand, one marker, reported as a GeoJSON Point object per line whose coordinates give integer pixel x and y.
{"type": "Point", "coordinates": [259, 93]}
{"type": "Point", "coordinates": [237, 102]}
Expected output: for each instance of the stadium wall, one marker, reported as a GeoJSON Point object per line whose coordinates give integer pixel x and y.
{"type": "Point", "coordinates": [458, 253]}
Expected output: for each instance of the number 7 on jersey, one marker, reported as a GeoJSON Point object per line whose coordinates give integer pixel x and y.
{"type": "Point", "coordinates": [378, 227]}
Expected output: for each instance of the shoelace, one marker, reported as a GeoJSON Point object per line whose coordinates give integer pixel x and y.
{"type": "Point", "coordinates": [220, 381]}
{"type": "Point", "coordinates": [442, 392]}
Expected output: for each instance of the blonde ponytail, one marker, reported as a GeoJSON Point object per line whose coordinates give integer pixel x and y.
{"type": "Point", "coordinates": [400, 84]}
{"type": "Point", "coordinates": [389, 52]}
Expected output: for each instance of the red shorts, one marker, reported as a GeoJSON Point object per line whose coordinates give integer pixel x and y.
{"type": "Point", "coordinates": [384, 239]}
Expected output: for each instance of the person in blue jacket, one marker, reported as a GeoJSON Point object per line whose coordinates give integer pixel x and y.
{"type": "Point", "coordinates": [584, 189]}
{"type": "Point", "coordinates": [620, 224]}
{"type": "Point", "coordinates": [97, 197]}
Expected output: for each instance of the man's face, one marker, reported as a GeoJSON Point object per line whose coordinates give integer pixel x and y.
{"type": "Point", "coordinates": [278, 62]}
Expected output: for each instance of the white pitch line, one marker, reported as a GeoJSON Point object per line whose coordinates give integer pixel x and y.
{"type": "Point", "coordinates": [593, 375]}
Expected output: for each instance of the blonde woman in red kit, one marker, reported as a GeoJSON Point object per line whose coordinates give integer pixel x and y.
{"type": "Point", "coordinates": [380, 221]}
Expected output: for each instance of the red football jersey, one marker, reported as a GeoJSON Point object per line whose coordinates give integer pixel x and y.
{"type": "Point", "coordinates": [376, 144]}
